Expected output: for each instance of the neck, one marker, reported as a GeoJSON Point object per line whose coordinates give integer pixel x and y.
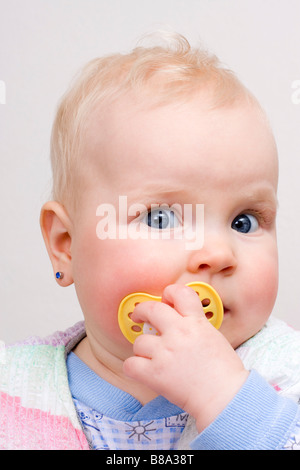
{"type": "Point", "coordinates": [110, 368]}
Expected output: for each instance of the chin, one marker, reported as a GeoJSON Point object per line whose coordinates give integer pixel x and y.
{"type": "Point", "coordinates": [235, 334]}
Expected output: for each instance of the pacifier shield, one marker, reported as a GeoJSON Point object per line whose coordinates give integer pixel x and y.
{"type": "Point", "coordinates": [211, 302]}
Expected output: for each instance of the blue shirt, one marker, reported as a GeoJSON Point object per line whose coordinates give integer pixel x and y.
{"type": "Point", "coordinates": [257, 418]}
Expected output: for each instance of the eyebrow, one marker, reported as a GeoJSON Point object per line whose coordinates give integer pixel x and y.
{"type": "Point", "coordinates": [263, 197]}
{"type": "Point", "coordinates": [264, 194]}
{"type": "Point", "coordinates": [159, 193]}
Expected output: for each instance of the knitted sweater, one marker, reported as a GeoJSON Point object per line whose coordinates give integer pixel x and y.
{"type": "Point", "coordinates": [36, 406]}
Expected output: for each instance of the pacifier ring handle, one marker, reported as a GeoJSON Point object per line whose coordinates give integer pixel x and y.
{"type": "Point", "coordinates": [210, 299]}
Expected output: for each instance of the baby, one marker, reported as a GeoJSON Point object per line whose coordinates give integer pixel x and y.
{"type": "Point", "coordinates": [167, 128]}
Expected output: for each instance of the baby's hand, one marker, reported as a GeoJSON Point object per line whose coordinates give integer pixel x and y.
{"type": "Point", "coordinates": [190, 363]}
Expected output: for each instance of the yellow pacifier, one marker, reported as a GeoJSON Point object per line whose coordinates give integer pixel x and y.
{"type": "Point", "coordinates": [210, 299]}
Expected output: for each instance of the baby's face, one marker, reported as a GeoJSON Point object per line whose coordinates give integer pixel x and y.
{"type": "Point", "coordinates": [180, 156]}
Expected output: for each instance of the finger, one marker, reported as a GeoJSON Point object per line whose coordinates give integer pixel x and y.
{"type": "Point", "coordinates": [184, 299]}
{"type": "Point", "coordinates": [158, 314]}
{"type": "Point", "coordinates": [138, 368]}
{"type": "Point", "coordinates": [145, 346]}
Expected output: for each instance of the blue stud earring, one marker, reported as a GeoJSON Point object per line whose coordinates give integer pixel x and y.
{"type": "Point", "coordinates": [59, 275]}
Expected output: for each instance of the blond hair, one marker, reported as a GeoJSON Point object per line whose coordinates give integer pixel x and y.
{"type": "Point", "coordinates": [165, 73]}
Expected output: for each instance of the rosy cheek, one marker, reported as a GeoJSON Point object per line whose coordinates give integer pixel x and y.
{"type": "Point", "coordinates": [261, 292]}
{"type": "Point", "coordinates": [144, 265]}
{"type": "Point", "coordinates": [267, 282]}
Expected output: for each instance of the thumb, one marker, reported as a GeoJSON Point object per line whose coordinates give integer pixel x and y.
{"type": "Point", "coordinates": [183, 299]}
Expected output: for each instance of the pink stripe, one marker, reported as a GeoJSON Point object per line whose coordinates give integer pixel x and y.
{"type": "Point", "coordinates": [29, 428]}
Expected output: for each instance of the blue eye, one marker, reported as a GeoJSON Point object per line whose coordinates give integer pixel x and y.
{"type": "Point", "coordinates": [161, 219]}
{"type": "Point", "coordinates": [245, 223]}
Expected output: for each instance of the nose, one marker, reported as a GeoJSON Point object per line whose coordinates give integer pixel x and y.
{"type": "Point", "coordinates": [216, 256]}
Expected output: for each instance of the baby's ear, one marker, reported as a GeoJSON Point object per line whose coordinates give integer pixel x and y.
{"type": "Point", "coordinates": [57, 230]}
